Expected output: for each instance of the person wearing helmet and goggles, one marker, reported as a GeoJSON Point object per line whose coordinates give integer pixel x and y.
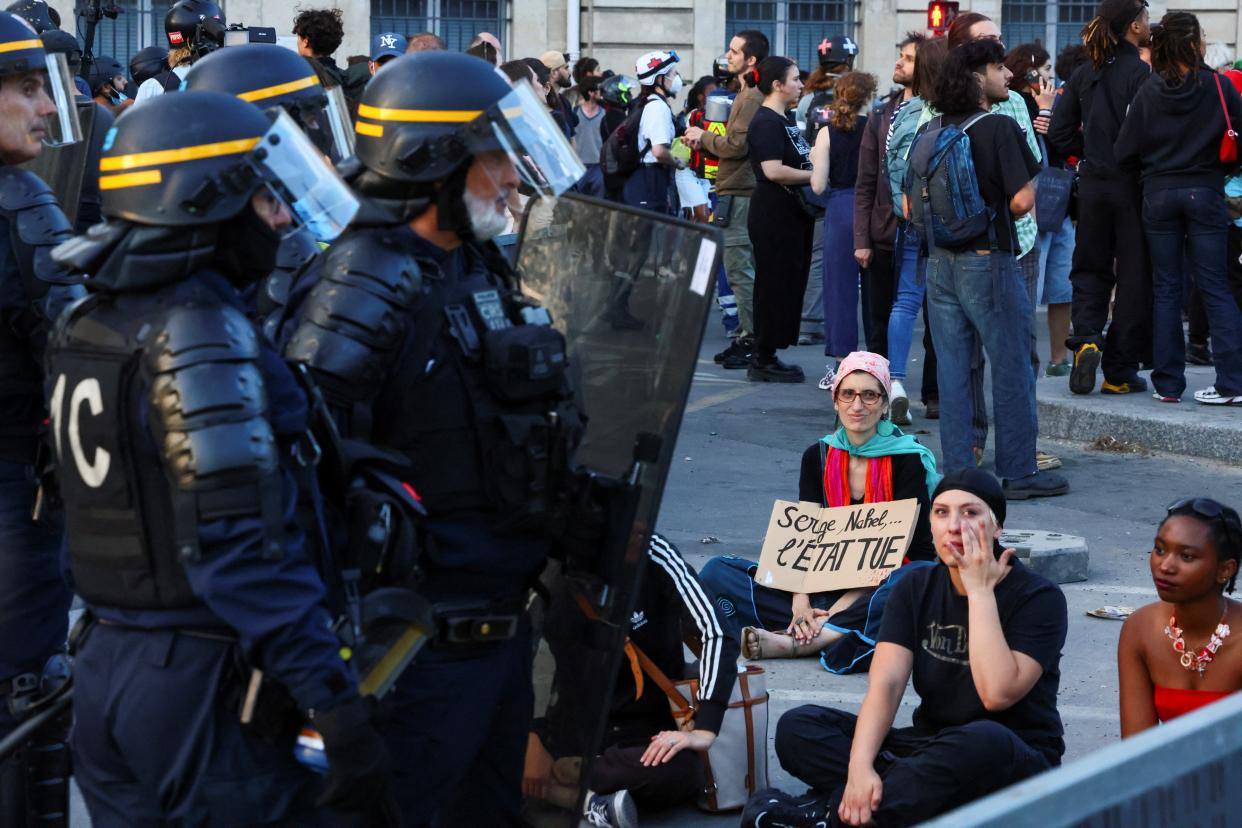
{"type": "Point", "coordinates": [178, 432]}
{"type": "Point", "coordinates": [397, 330]}
{"type": "Point", "coordinates": [194, 28]}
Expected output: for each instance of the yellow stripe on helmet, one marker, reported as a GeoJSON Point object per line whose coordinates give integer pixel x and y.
{"type": "Point", "coordinates": [428, 116]}
{"type": "Point", "coordinates": [18, 45]}
{"type": "Point", "coordinates": [134, 179]}
{"type": "Point", "coordinates": [178, 155]}
{"type": "Point", "coordinates": [372, 130]}
{"type": "Point", "coordinates": [279, 89]}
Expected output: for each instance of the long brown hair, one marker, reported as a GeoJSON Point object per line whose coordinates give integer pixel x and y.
{"type": "Point", "coordinates": [1175, 46]}
{"type": "Point", "coordinates": [927, 65]}
{"type": "Point", "coordinates": [819, 80]}
{"type": "Point", "coordinates": [854, 91]}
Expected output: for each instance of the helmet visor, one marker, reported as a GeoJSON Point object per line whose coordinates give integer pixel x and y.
{"type": "Point", "coordinates": [326, 121]}
{"type": "Point", "coordinates": [63, 126]}
{"type": "Point", "coordinates": [339, 123]}
{"type": "Point", "coordinates": [522, 126]}
{"type": "Point", "coordinates": [300, 175]}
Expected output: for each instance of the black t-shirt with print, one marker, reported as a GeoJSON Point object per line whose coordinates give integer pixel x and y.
{"type": "Point", "coordinates": [1003, 166]}
{"type": "Point", "coordinates": [773, 138]}
{"type": "Point", "coordinates": [925, 615]}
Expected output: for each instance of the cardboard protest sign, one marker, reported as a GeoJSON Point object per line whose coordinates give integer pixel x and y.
{"type": "Point", "coordinates": [812, 549]}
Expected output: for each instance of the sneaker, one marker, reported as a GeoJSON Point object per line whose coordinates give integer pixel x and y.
{"type": "Point", "coordinates": [1130, 385]}
{"type": "Point", "coordinates": [1209, 396]}
{"type": "Point", "coordinates": [1058, 369]}
{"type": "Point", "coordinates": [1082, 375]}
{"type": "Point", "coordinates": [1039, 484]}
{"type": "Point", "coordinates": [978, 456]}
{"type": "Point", "coordinates": [1165, 398]}
{"type": "Point", "coordinates": [931, 409]}
{"type": "Point", "coordinates": [774, 371]}
{"type": "Point", "coordinates": [811, 339]}
{"type": "Point", "coordinates": [825, 382]}
{"type": "Point", "coordinates": [771, 808]}
{"type": "Point", "coordinates": [900, 411]}
{"type": "Point", "coordinates": [1198, 353]}
{"type": "Point", "coordinates": [614, 810]}
{"type": "Point", "coordinates": [1045, 461]}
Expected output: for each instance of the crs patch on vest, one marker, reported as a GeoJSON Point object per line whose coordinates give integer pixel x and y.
{"type": "Point", "coordinates": [87, 425]}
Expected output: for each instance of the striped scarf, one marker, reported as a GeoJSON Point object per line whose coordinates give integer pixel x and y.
{"type": "Point", "coordinates": [879, 486]}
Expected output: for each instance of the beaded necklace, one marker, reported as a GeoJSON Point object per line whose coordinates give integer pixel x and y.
{"type": "Point", "coordinates": [1198, 661]}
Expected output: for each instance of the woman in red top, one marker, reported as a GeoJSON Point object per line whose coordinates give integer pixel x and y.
{"type": "Point", "coordinates": [1178, 654]}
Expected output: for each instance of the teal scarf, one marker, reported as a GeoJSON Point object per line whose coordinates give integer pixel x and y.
{"type": "Point", "coordinates": [888, 440]}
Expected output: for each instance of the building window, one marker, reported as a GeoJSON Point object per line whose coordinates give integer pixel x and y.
{"type": "Point", "coordinates": [456, 21]}
{"type": "Point", "coordinates": [1054, 23]}
{"type": "Point", "coordinates": [139, 25]}
{"type": "Point", "coordinates": [795, 28]}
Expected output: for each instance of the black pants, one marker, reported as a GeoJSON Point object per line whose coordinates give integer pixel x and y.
{"type": "Point", "coordinates": [674, 783]}
{"type": "Point", "coordinates": [1110, 252]}
{"type": "Point", "coordinates": [924, 775]}
{"type": "Point", "coordinates": [879, 292]}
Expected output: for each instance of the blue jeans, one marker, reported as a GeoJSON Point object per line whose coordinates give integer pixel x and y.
{"type": "Point", "coordinates": [840, 275]}
{"type": "Point", "coordinates": [911, 289]}
{"type": "Point", "coordinates": [981, 296]}
{"type": "Point", "coordinates": [592, 181]}
{"type": "Point", "coordinates": [1189, 225]}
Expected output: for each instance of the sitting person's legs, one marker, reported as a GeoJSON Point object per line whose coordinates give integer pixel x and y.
{"type": "Point", "coordinates": [654, 788]}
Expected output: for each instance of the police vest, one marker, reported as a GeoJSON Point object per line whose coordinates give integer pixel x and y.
{"type": "Point", "coordinates": [158, 420]}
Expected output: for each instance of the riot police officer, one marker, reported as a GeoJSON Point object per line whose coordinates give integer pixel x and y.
{"type": "Point", "coordinates": [423, 344]}
{"type": "Point", "coordinates": [34, 600]}
{"type": "Point", "coordinates": [177, 431]}
{"type": "Point", "coordinates": [275, 79]}
{"type": "Point", "coordinates": [194, 28]}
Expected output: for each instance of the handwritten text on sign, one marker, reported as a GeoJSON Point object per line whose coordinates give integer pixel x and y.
{"type": "Point", "coordinates": [812, 549]}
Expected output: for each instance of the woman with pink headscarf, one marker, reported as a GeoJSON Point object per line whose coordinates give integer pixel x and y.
{"type": "Point", "coordinates": [866, 460]}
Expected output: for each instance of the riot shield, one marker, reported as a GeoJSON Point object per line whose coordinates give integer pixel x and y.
{"type": "Point", "coordinates": [630, 291]}
{"type": "Point", "coordinates": [63, 168]}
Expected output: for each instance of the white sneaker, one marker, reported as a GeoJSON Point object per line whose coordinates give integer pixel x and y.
{"type": "Point", "coordinates": [614, 810]}
{"type": "Point", "coordinates": [1208, 396]}
{"type": "Point", "coordinates": [900, 410]}
{"type": "Point", "coordinates": [825, 384]}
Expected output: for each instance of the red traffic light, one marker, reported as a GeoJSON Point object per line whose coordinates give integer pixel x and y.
{"type": "Point", "coordinates": [940, 14]}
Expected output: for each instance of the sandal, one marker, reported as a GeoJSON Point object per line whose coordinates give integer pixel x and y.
{"type": "Point", "coordinates": [752, 641]}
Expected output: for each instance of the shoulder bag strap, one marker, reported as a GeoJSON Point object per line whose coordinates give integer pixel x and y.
{"type": "Point", "coordinates": [1223, 108]}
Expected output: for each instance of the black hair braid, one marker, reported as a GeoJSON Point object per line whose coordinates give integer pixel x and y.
{"type": "Point", "coordinates": [1175, 46]}
{"type": "Point", "coordinates": [1104, 31]}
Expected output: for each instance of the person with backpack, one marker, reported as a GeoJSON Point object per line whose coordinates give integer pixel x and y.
{"type": "Point", "coordinates": [970, 176]}
{"type": "Point", "coordinates": [641, 148]}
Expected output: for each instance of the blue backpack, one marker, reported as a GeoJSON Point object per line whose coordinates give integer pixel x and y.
{"type": "Point", "coordinates": [945, 204]}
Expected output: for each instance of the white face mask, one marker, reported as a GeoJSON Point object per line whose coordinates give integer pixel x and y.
{"type": "Point", "coordinates": [485, 221]}
{"type": "Point", "coordinates": [674, 86]}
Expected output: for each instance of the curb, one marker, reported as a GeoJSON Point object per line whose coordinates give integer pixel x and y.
{"type": "Point", "coordinates": [1177, 435]}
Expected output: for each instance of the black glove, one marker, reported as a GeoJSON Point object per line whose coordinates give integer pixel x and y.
{"type": "Point", "coordinates": [358, 761]}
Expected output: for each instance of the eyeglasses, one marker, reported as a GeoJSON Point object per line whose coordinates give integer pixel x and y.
{"type": "Point", "coordinates": [869, 397]}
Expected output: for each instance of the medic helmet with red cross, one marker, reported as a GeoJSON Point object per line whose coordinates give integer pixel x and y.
{"type": "Point", "coordinates": [653, 64]}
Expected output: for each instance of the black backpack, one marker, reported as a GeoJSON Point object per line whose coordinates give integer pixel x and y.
{"type": "Point", "coordinates": [620, 155]}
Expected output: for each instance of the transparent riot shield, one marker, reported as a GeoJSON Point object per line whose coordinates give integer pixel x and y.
{"type": "Point", "coordinates": [630, 291]}
{"type": "Point", "coordinates": [63, 167]}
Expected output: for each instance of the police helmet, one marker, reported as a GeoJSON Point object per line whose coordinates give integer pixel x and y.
{"type": "Point", "coordinates": [21, 52]}
{"type": "Point", "coordinates": [197, 25]}
{"type": "Point", "coordinates": [147, 63]}
{"type": "Point", "coordinates": [619, 90]}
{"type": "Point", "coordinates": [720, 69]}
{"type": "Point", "coordinates": [34, 12]}
{"type": "Point", "coordinates": [415, 128]}
{"type": "Point", "coordinates": [197, 158]}
{"type": "Point", "coordinates": [104, 70]}
{"type": "Point", "coordinates": [838, 51]}
{"type": "Point", "coordinates": [273, 77]}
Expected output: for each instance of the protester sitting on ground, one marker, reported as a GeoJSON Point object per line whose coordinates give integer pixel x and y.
{"type": "Point", "coordinates": [1184, 203]}
{"type": "Point", "coordinates": [646, 758]}
{"type": "Point", "coordinates": [982, 636]}
{"type": "Point", "coordinates": [1172, 657]}
{"type": "Point", "coordinates": [866, 460]}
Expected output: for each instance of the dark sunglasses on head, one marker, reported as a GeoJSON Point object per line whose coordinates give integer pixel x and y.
{"type": "Point", "coordinates": [1208, 509]}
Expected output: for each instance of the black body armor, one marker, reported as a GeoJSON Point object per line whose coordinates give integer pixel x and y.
{"type": "Point", "coordinates": [272, 294]}
{"type": "Point", "coordinates": [459, 372]}
{"type": "Point", "coordinates": [179, 365]}
{"type": "Point", "coordinates": [31, 224]}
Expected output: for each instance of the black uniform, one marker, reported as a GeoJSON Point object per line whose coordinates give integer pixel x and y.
{"type": "Point", "coordinates": [1110, 250]}
{"type": "Point", "coordinates": [435, 354]}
